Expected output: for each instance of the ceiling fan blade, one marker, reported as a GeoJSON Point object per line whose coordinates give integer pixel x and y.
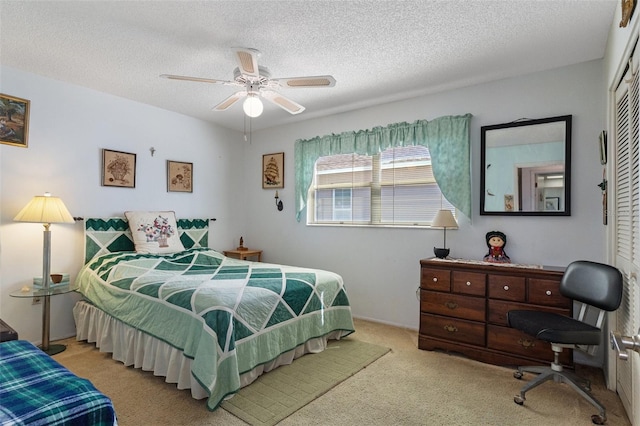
{"type": "Point", "coordinates": [311, 81]}
{"type": "Point", "coordinates": [229, 101]}
{"type": "Point", "coordinates": [247, 61]}
{"type": "Point", "coordinates": [197, 79]}
{"type": "Point", "coordinates": [282, 101]}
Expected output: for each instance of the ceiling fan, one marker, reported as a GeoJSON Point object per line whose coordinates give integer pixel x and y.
{"type": "Point", "coordinates": [256, 83]}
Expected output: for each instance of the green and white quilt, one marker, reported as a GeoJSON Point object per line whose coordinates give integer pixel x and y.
{"type": "Point", "coordinates": [227, 315]}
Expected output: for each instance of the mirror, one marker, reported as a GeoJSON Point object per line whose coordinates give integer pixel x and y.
{"type": "Point", "coordinates": [526, 168]}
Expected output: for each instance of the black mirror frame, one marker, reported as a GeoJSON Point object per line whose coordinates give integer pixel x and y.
{"type": "Point", "coordinates": [567, 179]}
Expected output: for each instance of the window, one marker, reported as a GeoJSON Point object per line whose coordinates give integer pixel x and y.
{"type": "Point", "coordinates": [393, 188]}
{"type": "Point", "coordinates": [447, 138]}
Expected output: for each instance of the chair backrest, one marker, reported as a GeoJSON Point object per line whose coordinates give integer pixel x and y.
{"type": "Point", "coordinates": [595, 284]}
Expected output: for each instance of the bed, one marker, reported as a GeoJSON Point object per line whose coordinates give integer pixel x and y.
{"type": "Point", "coordinates": [36, 390]}
{"type": "Point", "coordinates": [205, 322]}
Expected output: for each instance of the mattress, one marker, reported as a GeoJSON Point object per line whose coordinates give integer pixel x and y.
{"type": "Point", "coordinates": [225, 318]}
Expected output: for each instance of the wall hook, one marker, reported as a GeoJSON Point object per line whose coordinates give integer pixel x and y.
{"type": "Point", "coordinates": [603, 185]}
{"type": "Point", "coordinates": [153, 151]}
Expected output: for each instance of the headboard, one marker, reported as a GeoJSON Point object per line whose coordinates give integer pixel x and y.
{"type": "Point", "coordinates": [109, 235]}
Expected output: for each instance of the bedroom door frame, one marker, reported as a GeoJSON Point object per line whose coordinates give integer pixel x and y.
{"type": "Point", "coordinates": [623, 231]}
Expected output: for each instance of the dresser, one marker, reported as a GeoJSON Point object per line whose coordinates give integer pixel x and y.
{"type": "Point", "coordinates": [464, 305]}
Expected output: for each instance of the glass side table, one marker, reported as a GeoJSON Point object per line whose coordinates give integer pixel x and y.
{"type": "Point", "coordinates": [45, 294]}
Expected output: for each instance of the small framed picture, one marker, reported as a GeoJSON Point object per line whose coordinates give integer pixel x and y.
{"type": "Point", "coordinates": [179, 176]}
{"type": "Point", "coordinates": [552, 203]}
{"type": "Point", "coordinates": [603, 147]}
{"type": "Point", "coordinates": [118, 169]}
{"type": "Point", "coordinates": [508, 202]}
{"type": "Point", "coordinates": [273, 171]}
{"type": "Point", "coordinates": [14, 120]}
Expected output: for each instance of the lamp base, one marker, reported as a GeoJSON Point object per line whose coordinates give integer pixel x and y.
{"type": "Point", "coordinates": [53, 349]}
{"type": "Point", "coordinates": [441, 253]}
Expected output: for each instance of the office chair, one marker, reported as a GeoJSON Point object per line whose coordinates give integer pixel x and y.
{"type": "Point", "coordinates": [595, 285]}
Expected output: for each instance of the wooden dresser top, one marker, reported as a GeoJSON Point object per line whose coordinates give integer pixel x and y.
{"type": "Point", "coordinates": [493, 268]}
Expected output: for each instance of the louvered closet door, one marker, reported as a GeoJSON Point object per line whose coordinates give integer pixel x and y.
{"type": "Point", "coordinates": [626, 228]}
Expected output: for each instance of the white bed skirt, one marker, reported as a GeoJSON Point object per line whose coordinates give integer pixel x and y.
{"type": "Point", "coordinates": [134, 348]}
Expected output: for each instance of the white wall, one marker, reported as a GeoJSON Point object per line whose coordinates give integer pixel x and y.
{"type": "Point", "coordinates": [381, 266]}
{"type": "Point", "coordinates": [69, 125]}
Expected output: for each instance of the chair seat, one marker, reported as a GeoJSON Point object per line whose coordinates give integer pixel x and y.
{"type": "Point", "coordinates": [554, 328]}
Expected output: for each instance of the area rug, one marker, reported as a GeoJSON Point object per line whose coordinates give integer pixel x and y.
{"type": "Point", "coordinates": [283, 391]}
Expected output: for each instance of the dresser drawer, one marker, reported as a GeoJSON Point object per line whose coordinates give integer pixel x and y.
{"type": "Point", "coordinates": [507, 288]}
{"type": "Point", "coordinates": [546, 292]}
{"type": "Point", "coordinates": [498, 310]}
{"type": "Point", "coordinates": [453, 329]}
{"type": "Point", "coordinates": [435, 279]}
{"type": "Point", "coordinates": [469, 283]}
{"type": "Point", "coordinates": [515, 342]}
{"type": "Point", "coordinates": [464, 307]}
{"type": "Point", "coordinates": [453, 305]}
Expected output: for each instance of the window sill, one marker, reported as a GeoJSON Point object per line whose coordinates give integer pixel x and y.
{"type": "Point", "coordinates": [364, 225]}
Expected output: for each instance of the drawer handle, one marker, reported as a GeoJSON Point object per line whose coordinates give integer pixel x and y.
{"type": "Point", "coordinates": [526, 343]}
{"type": "Point", "coordinates": [468, 283]}
{"type": "Point", "coordinates": [506, 288]}
{"type": "Point", "coordinates": [451, 305]}
{"type": "Point", "coordinates": [548, 292]}
{"type": "Point", "coordinates": [451, 328]}
{"type": "Point", "coordinates": [435, 280]}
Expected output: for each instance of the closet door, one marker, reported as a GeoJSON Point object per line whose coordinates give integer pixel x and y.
{"type": "Point", "coordinates": [626, 230]}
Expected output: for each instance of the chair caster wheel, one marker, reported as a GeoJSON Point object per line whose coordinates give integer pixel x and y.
{"type": "Point", "coordinates": [520, 400]}
{"type": "Point", "coordinates": [518, 375]}
{"type": "Point", "coordinates": [597, 419]}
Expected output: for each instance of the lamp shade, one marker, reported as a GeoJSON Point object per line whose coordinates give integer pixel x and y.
{"type": "Point", "coordinates": [252, 106]}
{"type": "Point", "coordinates": [444, 219]}
{"type": "Point", "coordinates": [45, 209]}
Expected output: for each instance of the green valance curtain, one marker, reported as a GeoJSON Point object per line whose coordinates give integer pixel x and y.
{"type": "Point", "coordinates": [447, 139]}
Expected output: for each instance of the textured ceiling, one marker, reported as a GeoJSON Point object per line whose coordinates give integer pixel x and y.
{"type": "Point", "coordinates": [378, 51]}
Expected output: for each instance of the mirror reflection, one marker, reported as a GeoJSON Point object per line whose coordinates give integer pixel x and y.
{"type": "Point", "coordinates": [526, 167]}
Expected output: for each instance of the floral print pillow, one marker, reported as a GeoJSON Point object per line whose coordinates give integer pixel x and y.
{"type": "Point", "coordinates": [154, 232]}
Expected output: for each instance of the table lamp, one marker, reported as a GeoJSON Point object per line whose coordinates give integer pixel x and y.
{"type": "Point", "coordinates": [45, 209]}
{"type": "Point", "coordinates": [444, 219]}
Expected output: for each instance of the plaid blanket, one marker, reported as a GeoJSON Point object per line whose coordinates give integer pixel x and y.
{"type": "Point", "coordinates": [36, 390]}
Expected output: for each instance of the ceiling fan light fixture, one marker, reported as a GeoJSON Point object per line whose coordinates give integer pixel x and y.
{"type": "Point", "coordinates": [252, 106]}
{"type": "Point", "coordinates": [256, 82]}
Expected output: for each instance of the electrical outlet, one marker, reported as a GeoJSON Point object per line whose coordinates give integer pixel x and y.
{"type": "Point", "coordinates": [36, 301]}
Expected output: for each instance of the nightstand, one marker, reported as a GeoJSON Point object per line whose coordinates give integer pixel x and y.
{"type": "Point", "coordinates": [244, 254]}
{"type": "Point", "coordinates": [6, 332]}
{"type": "Point", "coordinates": [31, 292]}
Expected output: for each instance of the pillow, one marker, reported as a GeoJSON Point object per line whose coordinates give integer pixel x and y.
{"type": "Point", "coordinates": [154, 232]}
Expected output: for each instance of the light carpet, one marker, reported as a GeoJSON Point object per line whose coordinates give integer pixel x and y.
{"type": "Point", "coordinates": [405, 387]}
{"type": "Point", "coordinates": [283, 391]}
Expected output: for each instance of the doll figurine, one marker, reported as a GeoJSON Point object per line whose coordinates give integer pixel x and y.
{"type": "Point", "coordinates": [496, 241]}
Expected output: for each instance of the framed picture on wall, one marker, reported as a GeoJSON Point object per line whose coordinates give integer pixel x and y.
{"type": "Point", "coordinates": [179, 176]}
{"type": "Point", "coordinates": [14, 120]}
{"type": "Point", "coordinates": [273, 171]}
{"type": "Point", "coordinates": [118, 169]}
{"type": "Point", "coordinates": [552, 203]}
{"type": "Point", "coordinates": [508, 202]}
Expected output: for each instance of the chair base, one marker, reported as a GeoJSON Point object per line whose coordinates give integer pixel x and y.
{"type": "Point", "coordinates": [556, 373]}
